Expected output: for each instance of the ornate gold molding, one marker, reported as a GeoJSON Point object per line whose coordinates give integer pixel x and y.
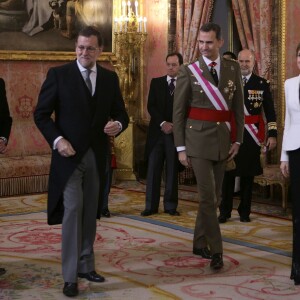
{"type": "Point", "coordinates": [281, 60]}
{"type": "Point", "coordinates": [281, 74]}
{"type": "Point", "coordinates": [58, 55]}
{"type": "Point", "coordinates": [48, 56]}
{"type": "Point", "coordinates": [124, 150]}
{"type": "Point", "coordinates": [129, 37]}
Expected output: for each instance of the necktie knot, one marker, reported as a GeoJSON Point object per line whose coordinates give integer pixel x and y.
{"type": "Point", "coordinates": [213, 72]}
{"type": "Point", "coordinates": [172, 86]}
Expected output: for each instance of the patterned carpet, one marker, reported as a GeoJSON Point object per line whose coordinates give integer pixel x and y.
{"type": "Point", "coordinates": [145, 258]}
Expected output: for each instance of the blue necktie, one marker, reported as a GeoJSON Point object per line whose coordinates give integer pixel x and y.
{"type": "Point", "coordinates": [172, 86]}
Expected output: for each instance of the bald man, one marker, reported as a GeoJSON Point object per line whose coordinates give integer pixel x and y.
{"type": "Point", "coordinates": [257, 99]}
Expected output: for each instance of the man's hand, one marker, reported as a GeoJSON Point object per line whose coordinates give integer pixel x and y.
{"type": "Point", "coordinates": [284, 167]}
{"type": "Point", "coordinates": [167, 128]}
{"type": "Point", "coordinates": [64, 148]}
{"type": "Point", "coordinates": [234, 149]}
{"type": "Point", "coordinates": [183, 158]}
{"type": "Point", "coordinates": [2, 146]}
{"type": "Point", "coordinates": [271, 143]}
{"type": "Point", "coordinates": [112, 128]}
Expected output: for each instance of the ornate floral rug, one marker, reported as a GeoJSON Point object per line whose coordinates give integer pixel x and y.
{"type": "Point", "coordinates": [145, 257]}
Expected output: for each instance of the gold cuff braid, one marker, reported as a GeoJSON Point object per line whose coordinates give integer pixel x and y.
{"type": "Point", "coordinates": [272, 126]}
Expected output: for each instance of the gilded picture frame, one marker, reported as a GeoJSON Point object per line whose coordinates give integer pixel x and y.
{"type": "Point", "coordinates": [25, 35]}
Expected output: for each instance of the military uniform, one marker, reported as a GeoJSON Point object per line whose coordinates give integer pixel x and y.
{"type": "Point", "coordinates": [207, 142]}
{"type": "Point", "coordinates": [257, 99]}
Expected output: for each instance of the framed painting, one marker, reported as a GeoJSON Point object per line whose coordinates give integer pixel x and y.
{"type": "Point", "coordinates": [46, 29]}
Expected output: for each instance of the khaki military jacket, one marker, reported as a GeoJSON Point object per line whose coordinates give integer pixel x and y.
{"type": "Point", "coordinates": [206, 139]}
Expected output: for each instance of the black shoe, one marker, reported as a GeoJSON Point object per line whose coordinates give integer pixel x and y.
{"type": "Point", "coordinates": [105, 213]}
{"type": "Point", "coordinates": [70, 289]}
{"type": "Point", "coordinates": [148, 212]}
{"type": "Point", "coordinates": [222, 219]}
{"type": "Point", "coordinates": [92, 276]}
{"type": "Point", "coordinates": [172, 212]}
{"type": "Point", "coordinates": [204, 252]}
{"type": "Point", "coordinates": [295, 274]}
{"type": "Point", "coordinates": [245, 219]}
{"type": "Point", "coordinates": [2, 271]}
{"type": "Point", "coordinates": [296, 277]}
{"type": "Point", "coordinates": [217, 261]}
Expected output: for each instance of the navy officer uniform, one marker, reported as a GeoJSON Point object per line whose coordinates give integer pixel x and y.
{"type": "Point", "coordinates": [257, 99]}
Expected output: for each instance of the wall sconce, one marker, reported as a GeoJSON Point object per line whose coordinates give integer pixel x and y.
{"type": "Point", "coordinates": [130, 30]}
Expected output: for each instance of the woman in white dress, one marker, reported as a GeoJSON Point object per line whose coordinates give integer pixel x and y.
{"type": "Point", "coordinates": [290, 160]}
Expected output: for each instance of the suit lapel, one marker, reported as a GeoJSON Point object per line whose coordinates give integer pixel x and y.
{"type": "Point", "coordinates": [164, 87]}
{"type": "Point", "coordinates": [224, 70]}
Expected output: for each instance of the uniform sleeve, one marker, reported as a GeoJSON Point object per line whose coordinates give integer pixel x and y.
{"type": "Point", "coordinates": [182, 97]}
{"type": "Point", "coordinates": [269, 110]}
{"type": "Point", "coordinates": [238, 105]}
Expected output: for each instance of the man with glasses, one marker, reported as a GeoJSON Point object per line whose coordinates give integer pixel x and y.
{"type": "Point", "coordinates": [257, 101]}
{"type": "Point", "coordinates": [208, 93]}
{"type": "Point", "coordinates": [83, 96]}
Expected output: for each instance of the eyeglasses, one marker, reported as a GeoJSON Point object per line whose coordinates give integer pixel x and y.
{"type": "Point", "coordinates": [89, 49]}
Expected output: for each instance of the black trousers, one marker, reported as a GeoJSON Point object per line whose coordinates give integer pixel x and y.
{"type": "Point", "coordinates": [246, 186]}
{"type": "Point", "coordinates": [294, 167]}
{"type": "Point", "coordinates": [163, 152]}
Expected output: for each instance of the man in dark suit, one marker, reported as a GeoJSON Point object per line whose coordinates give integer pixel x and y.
{"type": "Point", "coordinates": [257, 99]}
{"type": "Point", "coordinates": [208, 93]}
{"type": "Point", "coordinates": [83, 96]}
{"type": "Point", "coordinates": [5, 126]}
{"type": "Point", "coordinates": [5, 118]}
{"type": "Point", "coordinates": [160, 147]}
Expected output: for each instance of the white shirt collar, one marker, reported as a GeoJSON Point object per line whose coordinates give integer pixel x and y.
{"type": "Point", "coordinates": [169, 79]}
{"type": "Point", "coordinates": [208, 61]}
{"type": "Point", "coordinates": [248, 76]}
{"type": "Point", "coordinates": [82, 69]}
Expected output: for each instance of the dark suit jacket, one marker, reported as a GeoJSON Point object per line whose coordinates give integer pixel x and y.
{"type": "Point", "coordinates": [65, 93]}
{"type": "Point", "coordinates": [5, 118]}
{"type": "Point", "coordinates": [157, 106]}
{"type": "Point", "coordinates": [207, 140]}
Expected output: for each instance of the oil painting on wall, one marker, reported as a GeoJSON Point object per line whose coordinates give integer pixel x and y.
{"type": "Point", "coordinates": [51, 25]}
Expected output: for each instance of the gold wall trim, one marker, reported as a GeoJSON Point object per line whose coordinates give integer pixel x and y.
{"type": "Point", "coordinates": [281, 75]}
{"type": "Point", "coordinates": [281, 61]}
{"type": "Point", "coordinates": [49, 56]}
